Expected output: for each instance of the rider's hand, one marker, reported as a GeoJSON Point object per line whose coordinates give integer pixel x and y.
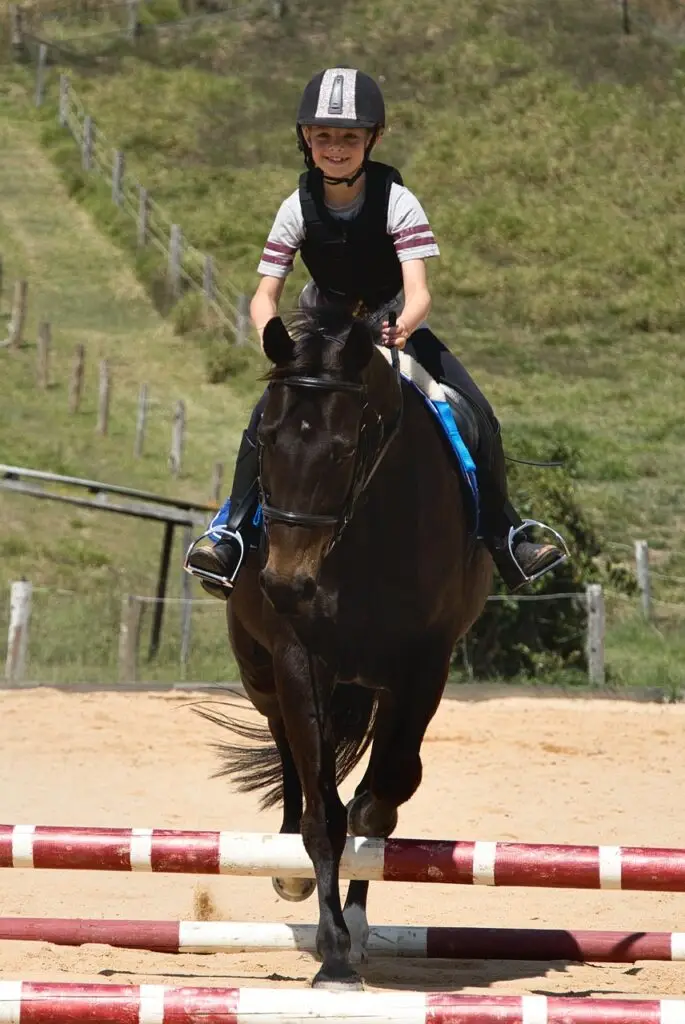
{"type": "Point", "coordinates": [394, 337]}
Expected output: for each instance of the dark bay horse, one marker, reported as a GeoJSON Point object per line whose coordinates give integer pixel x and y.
{"type": "Point", "coordinates": [344, 622]}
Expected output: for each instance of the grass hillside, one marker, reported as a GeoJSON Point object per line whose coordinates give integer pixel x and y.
{"type": "Point", "coordinates": [546, 147]}
{"type": "Point", "coordinates": [80, 283]}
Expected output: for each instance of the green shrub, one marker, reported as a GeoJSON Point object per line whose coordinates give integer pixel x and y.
{"type": "Point", "coordinates": [516, 638]}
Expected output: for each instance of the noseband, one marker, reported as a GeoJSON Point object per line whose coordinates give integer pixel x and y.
{"type": "Point", "coordinates": [361, 476]}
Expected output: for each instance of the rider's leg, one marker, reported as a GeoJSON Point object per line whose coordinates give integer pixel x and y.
{"type": "Point", "coordinates": [518, 559]}
{"type": "Point", "coordinates": [217, 566]}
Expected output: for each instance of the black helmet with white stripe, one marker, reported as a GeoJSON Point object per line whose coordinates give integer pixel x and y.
{"type": "Point", "coordinates": [341, 98]}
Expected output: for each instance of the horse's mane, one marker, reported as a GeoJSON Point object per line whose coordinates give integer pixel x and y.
{"type": "Point", "coordinates": [319, 334]}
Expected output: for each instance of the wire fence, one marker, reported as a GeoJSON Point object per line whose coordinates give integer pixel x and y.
{"type": "Point", "coordinates": [94, 29]}
{"type": "Point", "coordinates": [71, 638]}
{"type": "Point", "coordinates": [664, 19]}
{"type": "Point", "coordinates": [186, 266]}
{"type": "Point", "coordinates": [76, 639]}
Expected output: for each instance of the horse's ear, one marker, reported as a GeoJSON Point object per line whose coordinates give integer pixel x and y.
{"type": "Point", "coordinates": [358, 348]}
{"type": "Point", "coordinates": [279, 347]}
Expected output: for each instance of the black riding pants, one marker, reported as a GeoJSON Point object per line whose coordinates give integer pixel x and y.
{"type": "Point", "coordinates": [498, 514]}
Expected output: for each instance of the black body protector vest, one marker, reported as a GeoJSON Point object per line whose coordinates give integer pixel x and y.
{"type": "Point", "coordinates": [352, 262]}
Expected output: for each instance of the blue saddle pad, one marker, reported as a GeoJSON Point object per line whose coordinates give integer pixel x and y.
{"type": "Point", "coordinates": [442, 412]}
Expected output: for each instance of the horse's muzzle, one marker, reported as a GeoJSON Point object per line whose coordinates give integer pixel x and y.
{"type": "Point", "coordinates": [290, 595]}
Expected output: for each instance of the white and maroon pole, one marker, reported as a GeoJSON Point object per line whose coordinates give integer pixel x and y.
{"type": "Point", "coordinates": [392, 941]}
{"type": "Point", "coordinates": [402, 860]}
{"type": "Point", "coordinates": [70, 1003]}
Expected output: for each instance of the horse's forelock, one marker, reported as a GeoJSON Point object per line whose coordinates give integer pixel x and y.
{"type": "Point", "coordinates": [319, 335]}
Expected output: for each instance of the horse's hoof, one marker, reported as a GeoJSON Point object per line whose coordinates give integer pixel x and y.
{"type": "Point", "coordinates": [369, 817]}
{"type": "Point", "coordinates": [294, 889]}
{"type": "Point", "coordinates": [338, 979]}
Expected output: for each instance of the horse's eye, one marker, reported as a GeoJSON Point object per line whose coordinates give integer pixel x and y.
{"type": "Point", "coordinates": [266, 435]}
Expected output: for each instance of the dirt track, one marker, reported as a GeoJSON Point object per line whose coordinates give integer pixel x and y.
{"type": "Point", "coordinates": [535, 770]}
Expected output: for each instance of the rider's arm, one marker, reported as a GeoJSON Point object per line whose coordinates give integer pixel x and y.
{"type": "Point", "coordinates": [417, 299]}
{"type": "Point", "coordinates": [265, 301]}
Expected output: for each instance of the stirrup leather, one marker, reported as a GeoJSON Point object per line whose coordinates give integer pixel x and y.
{"type": "Point", "coordinates": [514, 531]}
{"type": "Point", "coordinates": [213, 577]}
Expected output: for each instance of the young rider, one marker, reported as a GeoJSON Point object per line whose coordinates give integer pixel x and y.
{"type": "Point", "coordinates": [364, 239]}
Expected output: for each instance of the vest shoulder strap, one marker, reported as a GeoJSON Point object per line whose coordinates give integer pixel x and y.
{"type": "Point", "coordinates": [313, 220]}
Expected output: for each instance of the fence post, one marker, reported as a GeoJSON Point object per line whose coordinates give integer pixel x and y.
{"type": "Point", "coordinates": [1, 282]}
{"type": "Point", "coordinates": [208, 281]}
{"type": "Point", "coordinates": [217, 481]}
{"type": "Point", "coordinates": [117, 177]}
{"type": "Point", "coordinates": [177, 436]}
{"type": "Point", "coordinates": [63, 113]}
{"type": "Point", "coordinates": [642, 565]}
{"type": "Point", "coordinates": [143, 216]}
{"type": "Point", "coordinates": [17, 31]}
{"type": "Point", "coordinates": [103, 398]}
{"type": "Point", "coordinates": [76, 382]}
{"type": "Point", "coordinates": [87, 145]}
{"type": "Point", "coordinates": [625, 11]}
{"type": "Point", "coordinates": [133, 24]}
{"type": "Point", "coordinates": [129, 638]}
{"type": "Point", "coordinates": [18, 636]}
{"type": "Point", "coordinates": [175, 260]}
{"type": "Point", "coordinates": [242, 323]}
{"type": "Point", "coordinates": [18, 317]}
{"type": "Point", "coordinates": [44, 346]}
{"type": "Point", "coordinates": [140, 422]}
{"type": "Point", "coordinates": [595, 633]}
{"type": "Point", "coordinates": [186, 604]}
{"type": "Point", "coordinates": [40, 73]}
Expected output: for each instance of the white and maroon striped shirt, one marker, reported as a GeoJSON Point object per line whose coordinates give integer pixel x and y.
{"type": "Point", "coordinates": [407, 225]}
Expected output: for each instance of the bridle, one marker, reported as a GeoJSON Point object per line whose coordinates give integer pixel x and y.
{"type": "Point", "coordinates": [364, 468]}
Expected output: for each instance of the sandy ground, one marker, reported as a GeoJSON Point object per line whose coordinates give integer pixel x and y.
{"type": "Point", "coordinates": [528, 769]}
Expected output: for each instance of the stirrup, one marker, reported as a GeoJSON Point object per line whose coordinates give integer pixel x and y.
{"type": "Point", "coordinates": [223, 533]}
{"type": "Point", "coordinates": [513, 533]}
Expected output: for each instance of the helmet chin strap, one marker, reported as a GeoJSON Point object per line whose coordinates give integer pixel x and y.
{"type": "Point", "coordinates": [346, 181]}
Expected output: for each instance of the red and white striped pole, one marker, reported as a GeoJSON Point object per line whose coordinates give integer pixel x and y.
{"type": "Point", "coordinates": [69, 1003]}
{"type": "Point", "coordinates": [431, 942]}
{"type": "Point", "coordinates": [401, 860]}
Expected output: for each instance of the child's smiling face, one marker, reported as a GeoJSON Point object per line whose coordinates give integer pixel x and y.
{"type": "Point", "coordinates": [338, 152]}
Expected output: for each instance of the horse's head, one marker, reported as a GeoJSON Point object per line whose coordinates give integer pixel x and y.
{"type": "Point", "coordinates": [317, 436]}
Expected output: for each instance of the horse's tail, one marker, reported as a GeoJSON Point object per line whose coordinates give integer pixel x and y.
{"type": "Point", "coordinates": [258, 767]}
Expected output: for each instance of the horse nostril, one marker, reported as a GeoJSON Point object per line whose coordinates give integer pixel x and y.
{"type": "Point", "coordinates": [287, 593]}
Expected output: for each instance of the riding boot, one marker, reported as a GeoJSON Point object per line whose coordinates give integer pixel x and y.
{"type": "Point", "coordinates": [519, 560]}
{"type": "Point", "coordinates": [231, 529]}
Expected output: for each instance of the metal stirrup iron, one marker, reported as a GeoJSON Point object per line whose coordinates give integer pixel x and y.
{"type": "Point", "coordinates": [213, 577]}
{"type": "Point", "coordinates": [526, 524]}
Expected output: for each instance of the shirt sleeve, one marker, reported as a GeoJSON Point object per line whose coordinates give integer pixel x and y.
{"type": "Point", "coordinates": [408, 226]}
{"type": "Point", "coordinates": [285, 238]}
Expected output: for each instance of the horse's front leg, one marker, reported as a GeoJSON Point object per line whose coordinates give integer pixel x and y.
{"type": "Point", "coordinates": [304, 694]}
{"type": "Point", "coordinates": [293, 889]}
